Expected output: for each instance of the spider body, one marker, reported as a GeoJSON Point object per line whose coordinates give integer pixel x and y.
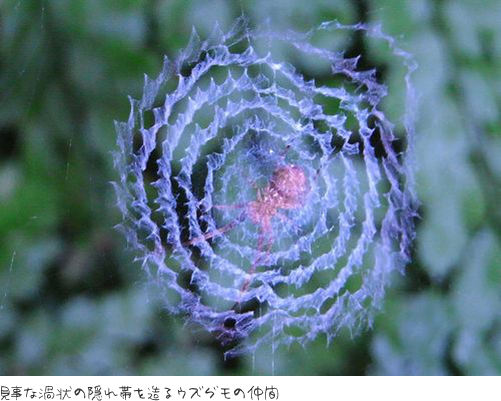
{"type": "Point", "coordinates": [286, 190]}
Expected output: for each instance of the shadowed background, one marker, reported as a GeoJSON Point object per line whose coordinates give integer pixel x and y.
{"type": "Point", "coordinates": [71, 299]}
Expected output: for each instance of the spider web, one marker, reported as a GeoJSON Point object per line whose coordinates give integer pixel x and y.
{"type": "Point", "coordinates": [214, 126]}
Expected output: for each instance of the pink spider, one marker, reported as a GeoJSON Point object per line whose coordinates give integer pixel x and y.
{"type": "Point", "coordinates": [286, 189]}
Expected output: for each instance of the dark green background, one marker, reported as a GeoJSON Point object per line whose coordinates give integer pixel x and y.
{"type": "Point", "coordinates": [71, 299]}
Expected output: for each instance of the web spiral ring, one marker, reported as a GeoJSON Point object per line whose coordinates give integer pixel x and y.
{"type": "Point", "coordinates": [205, 141]}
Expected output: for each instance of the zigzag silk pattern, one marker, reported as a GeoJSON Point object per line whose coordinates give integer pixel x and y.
{"type": "Point", "coordinates": [210, 156]}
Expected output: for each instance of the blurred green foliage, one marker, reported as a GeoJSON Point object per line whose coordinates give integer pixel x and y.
{"type": "Point", "coordinates": [71, 299]}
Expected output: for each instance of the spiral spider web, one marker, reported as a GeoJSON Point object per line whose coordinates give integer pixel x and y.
{"type": "Point", "coordinates": [208, 135]}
